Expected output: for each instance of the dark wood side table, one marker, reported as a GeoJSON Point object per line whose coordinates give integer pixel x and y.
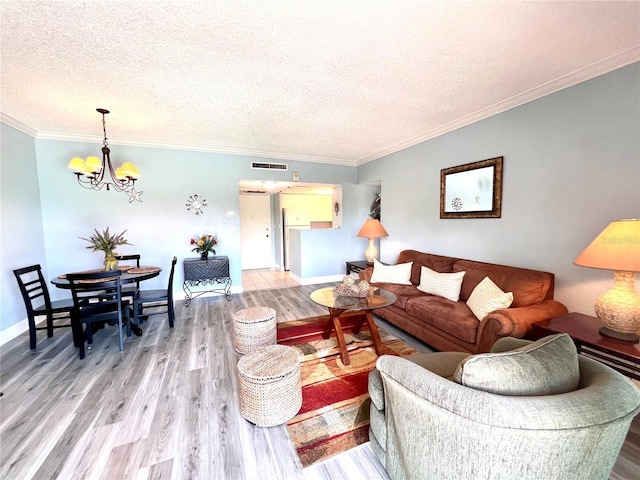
{"type": "Point", "coordinates": [211, 271]}
{"type": "Point", "coordinates": [357, 266]}
{"type": "Point", "coordinates": [583, 329]}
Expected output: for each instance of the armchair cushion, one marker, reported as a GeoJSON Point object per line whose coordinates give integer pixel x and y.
{"type": "Point", "coordinates": [548, 366]}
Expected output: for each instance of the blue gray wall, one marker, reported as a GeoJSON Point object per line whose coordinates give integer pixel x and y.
{"type": "Point", "coordinates": [44, 210]}
{"type": "Point", "coordinates": [571, 166]}
{"type": "Point", "coordinates": [21, 230]}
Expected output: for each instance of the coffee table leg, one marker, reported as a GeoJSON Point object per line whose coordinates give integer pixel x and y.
{"type": "Point", "coordinates": [334, 324]}
{"type": "Point", "coordinates": [375, 336]}
{"type": "Point", "coordinates": [358, 326]}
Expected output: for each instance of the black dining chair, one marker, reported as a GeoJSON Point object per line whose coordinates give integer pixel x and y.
{"type": "Point", "coordinates": [37, 301]}
{"type": "Point", "coordinates": [97, 299]}
{"type": "Point", "coordinates": [155, 298]}
{"type": "Point", "coordinates": [134, 261]}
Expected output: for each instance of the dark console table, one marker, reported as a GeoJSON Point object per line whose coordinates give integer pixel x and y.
{"type": "Point", "coordinates": [211, 271]}
{"type": "Point", "coordinates": [356, 266]}
{"type": "Point", "coordinates": [583, 329]}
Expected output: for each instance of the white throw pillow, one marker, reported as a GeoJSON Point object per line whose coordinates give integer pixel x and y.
{"type": "Point", "coordinates": [400, 273]}
{"type": "Point", "coordinates": [487, 297]}
{"type": "Point", "coordinates": [445, 285]}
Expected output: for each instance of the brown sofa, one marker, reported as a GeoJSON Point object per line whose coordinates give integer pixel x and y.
{"type": "Point", "coordinates": [451, 326]}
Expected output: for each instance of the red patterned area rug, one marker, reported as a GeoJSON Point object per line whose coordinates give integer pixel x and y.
{"type": "Point", "coordinates": [335, 401]}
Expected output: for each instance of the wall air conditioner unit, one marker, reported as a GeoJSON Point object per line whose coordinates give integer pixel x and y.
{"type": "Point", "coordinates": [269, 166]}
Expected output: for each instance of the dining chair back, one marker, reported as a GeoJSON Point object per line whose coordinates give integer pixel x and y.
{"type": "Point", "coordinates": [97, 299]}
{"type": "Point", "coordinates": [156, 298]}
{"type": "Point", "coordinates": [37, 302]}
{"type": "Point", "coordinates": [135, 258]}
{"type": "Point", "coordinates": [134, 261]}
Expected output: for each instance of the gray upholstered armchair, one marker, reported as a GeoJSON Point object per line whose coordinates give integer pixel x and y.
{"type": "Point", "coordinates": [528, 410]}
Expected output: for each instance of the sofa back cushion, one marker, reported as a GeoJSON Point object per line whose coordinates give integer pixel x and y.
{"type": "Point", "coordinates": [529, 287]}
{"type": "Point", "coordinates": [446, 285]}
{"type": "Point", "coordinates": [437, 263]}
{"type": "Point", "coordinates": [548, 366]}
{"type": "Point", "coordinates": [399, 273]}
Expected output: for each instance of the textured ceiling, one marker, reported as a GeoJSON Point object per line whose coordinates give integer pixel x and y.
{"type": "Point", "coordinates": [335, 81]}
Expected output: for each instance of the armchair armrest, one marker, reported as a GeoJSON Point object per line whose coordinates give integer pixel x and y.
{"type": "Point", "coordinates": [405, 383]}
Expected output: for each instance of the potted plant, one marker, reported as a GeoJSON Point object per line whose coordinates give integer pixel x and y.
{"type": "Point", "coordinates": [107, 243]}
{"type": "Point", "coordinates": [203, 244]}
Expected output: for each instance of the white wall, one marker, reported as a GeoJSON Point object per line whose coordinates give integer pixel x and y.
{"type": "Point", "coordinates": [571, 166]}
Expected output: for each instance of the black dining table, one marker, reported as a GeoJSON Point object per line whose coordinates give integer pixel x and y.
{"type": "Point", "coordinates": [128, 275]}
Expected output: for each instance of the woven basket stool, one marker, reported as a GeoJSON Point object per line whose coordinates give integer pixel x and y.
{"type": "Point", "coordinates": [270, 388]}
{"type": "Point", "coordinates": [254, 327]}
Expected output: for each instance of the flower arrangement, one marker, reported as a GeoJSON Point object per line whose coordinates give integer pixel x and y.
{"type": "Point", "coordinates": [203, 244]}
{"type": "Point", "coordinates": [106, 242]}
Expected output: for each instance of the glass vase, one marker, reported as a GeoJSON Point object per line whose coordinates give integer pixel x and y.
{"type": "Point", "coordinates": [204, 255]}
{"type": "Point", "coordinates": [110, 262]}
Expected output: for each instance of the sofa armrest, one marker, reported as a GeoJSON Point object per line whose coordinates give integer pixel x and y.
{"type": "Point", "coordinates": [515, 322]}
{"type": "Point", "coordinates": [366, 274]}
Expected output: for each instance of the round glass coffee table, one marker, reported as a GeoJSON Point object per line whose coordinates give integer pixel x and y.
{"type": "Point", "coordinates": [341, 307]}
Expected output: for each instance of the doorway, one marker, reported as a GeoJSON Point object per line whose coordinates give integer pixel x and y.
{"type": "Point", "coordinates": [255, 228]}
{"type": "Point", "coordinates": [262, 256]}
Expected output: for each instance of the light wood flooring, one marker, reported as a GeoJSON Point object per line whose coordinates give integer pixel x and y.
{"type": "Point", "coordinates": [165, 408]}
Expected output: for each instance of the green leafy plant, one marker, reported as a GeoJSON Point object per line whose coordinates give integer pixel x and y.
{"type": "Point", "coordinates": [106, 242]}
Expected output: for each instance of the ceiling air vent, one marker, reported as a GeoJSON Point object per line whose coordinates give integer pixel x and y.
{"type": "Point", "coordinates": [269, 166]}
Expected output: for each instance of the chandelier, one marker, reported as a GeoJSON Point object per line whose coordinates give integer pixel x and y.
{"type": "Point", "coordinates": [91, 172]}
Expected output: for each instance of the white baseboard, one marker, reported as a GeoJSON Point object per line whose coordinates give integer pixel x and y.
{"type": "Point", "coordinates": [314, 280]}
{"type": "Point", "coordinates": [12, 331]}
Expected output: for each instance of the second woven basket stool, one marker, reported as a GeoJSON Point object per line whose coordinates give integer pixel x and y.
{"type": "Point", "coordinates": [270, 386]}
{"type": "Point", "coordinates": [254, 327]}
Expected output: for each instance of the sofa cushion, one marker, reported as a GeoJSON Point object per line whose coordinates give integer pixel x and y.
{"type": "Point", "coordinates": [487, 297]}
{"type": "Point", "coordinates": [400, 273]}
{"type": "Point", "coordinates": [529, 287]}
{"type": "Point", "coordinates": [438, 263]}
{"type": "Point", "coordinates": [402, 292]}
{"type": "Point", "coordinates": [548, 366]}
{"type": "Point", "coordinates": [445, 285]}
{"type": "Point", "coordinates": [454, 318]}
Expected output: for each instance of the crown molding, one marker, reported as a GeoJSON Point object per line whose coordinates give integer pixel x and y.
{"type": "Point", "coordinates": [18, 125]}
{"type": "Point", "coordinates": [174, 146]}
{"type": "Point", "coordinates": [587, 73]}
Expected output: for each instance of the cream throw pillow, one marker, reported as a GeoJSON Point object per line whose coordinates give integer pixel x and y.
{"type": "Point", "coordinates": [400, 273]}
{"type": "Point", "coordinates": [487, 297]}
{"type": "Point", "coordinates": [445, 285]}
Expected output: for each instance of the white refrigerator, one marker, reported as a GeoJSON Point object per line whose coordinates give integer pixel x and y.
{"type": "Point", "coordinates": [292, 218]}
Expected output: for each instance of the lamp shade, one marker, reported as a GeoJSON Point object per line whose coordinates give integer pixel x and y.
{"type": "Point", "coordinates": [372, 228]}
{"type": "Point", "coordinates": [616, 248]}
